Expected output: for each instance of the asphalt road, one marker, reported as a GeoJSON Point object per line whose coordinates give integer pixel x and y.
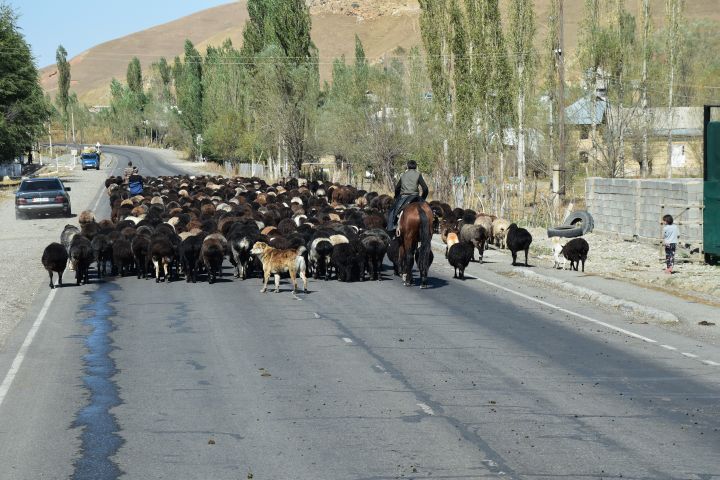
{"type": "Point", "coordinates": [466, 380]}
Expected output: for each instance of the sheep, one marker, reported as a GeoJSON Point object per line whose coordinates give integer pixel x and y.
{"type": "Point", "coordinates": [486, 221]}
{"type": "Point", "coordinates": [557, 247]}
{"type": "Point", "coordinates": [349, 261]}
{"type": "Point", "coordinates": [459, 256]}
{"type": "Point", "coordinates": [576, 250]}
{"type": "Point", "coordinates": [499, 227]}
{"type": "Point", "coordinates": [161, 253]}
{"type": "Point", "coordinates": [55, 259]}
{"type": "Point", "coordinates": [319, 257]}
{"type": "Point", "coordinates": [81, 256]}
{"type": "Point", "coordinates": [393, 254]}
{"type": "Point", "coordinates": [477, 235]}
{"type": "Point", "coordinates": [140, 246]}
{"type": "Point", "coordinates": [376, 244]}
{"type": "Point", "coordinates": [518, 239]}
{"type": "Point", "coordinates": [241, 241]}
{"type": "Point", "coordinates": [102, 250]}
{"type": "Point", "coordinates": [189, 253]}
{"type": "Point", "coordinates": [123, 260]}
{"type": "Point", "coordinates": [212, 255]}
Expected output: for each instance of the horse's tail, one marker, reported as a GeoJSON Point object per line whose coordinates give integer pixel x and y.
{"type": "Point", "coordinates": [425, 241]}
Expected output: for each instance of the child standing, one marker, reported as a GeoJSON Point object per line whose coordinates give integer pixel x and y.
{"type": "Point", "coordinates": [670, 240]}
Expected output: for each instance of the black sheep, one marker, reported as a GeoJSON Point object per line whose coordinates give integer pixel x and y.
{"type": "Point", "coordinates": [393, 254]}
{"type": "Point", "coordinates": [518, 239]}
{"type": "Point", "coordinates": [162, 255]}
{"type": "Point", "coordinates": [349, 261]}
{"type": "Point", "coordinates": [81, 256]}
{"type": "Point", "coordinates": [376, 244]}
{"type": "Point", "coordinates": [140, 246]}
{"type": "Point", "coordinates": [54, 259]}
{"type": "Point", "coordinates": [123, 259]}
{"type": "Point", "coordinates": [576, 250]}
{"type": "Point", "coordinates": [212, 255]}
{"type": "Point", "coordinates": [459, 256]}
{"type": "Point", "coordinates": [190, 256]}
{"type": "Point", "coordinates": [102, 249]}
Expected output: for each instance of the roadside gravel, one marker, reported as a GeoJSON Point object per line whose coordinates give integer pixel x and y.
{"type": "Point", "coordinates": [640, 264]}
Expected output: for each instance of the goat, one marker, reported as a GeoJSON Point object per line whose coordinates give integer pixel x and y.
{"type": "Point", "coordinates": [55, 259]}
{"type": "Point", "coordinates": [517, 240]}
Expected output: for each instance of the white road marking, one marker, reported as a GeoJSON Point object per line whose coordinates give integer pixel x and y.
{"type": "Point", "coordinates": [689, 355]}
{"type": "Point", "coordinates": [668, 347]}
{"type": "Point", "coordinates": [380, 368]}
{"type": "Point", "coordinates": [347, 340]}
{"type": "Point", "coordinates": [426, 408]}
{"type": "Point", "coordinates": [570, 312]}
{"type": "Point", "coordinates": [17, 362]}
{"type": "Point", "coordinates": [711, 363]}
{"type": "Point", "coordinates": [316, 315]}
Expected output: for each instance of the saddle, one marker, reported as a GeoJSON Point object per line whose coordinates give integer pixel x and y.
{"type": "Point", "coordinates": [403, 202]}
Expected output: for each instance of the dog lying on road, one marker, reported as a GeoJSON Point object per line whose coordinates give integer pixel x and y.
{"type": "Point", "coordinates": [275, 261]}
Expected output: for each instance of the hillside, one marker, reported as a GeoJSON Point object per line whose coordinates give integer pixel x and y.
{"type": "Point", "coordinates": [383, 25]}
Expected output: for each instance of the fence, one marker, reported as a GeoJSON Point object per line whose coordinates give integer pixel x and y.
{"type": "Point", "coordinates": [10, 170]}
{"type": "Point", "coordinates": [245, 169]}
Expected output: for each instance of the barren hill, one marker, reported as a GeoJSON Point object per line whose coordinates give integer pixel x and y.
{"type": "Point", "coordinates": [383, 25]}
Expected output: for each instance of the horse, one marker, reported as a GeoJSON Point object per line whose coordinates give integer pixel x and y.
{"type": "Point", "coordinates": [416, 223]}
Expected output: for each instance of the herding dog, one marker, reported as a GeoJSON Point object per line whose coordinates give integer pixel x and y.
{"type": "Point", "coordinates": [275, 261]}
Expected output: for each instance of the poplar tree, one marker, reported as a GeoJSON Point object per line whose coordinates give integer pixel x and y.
{"type": "Point", "coordinates": [63, 95]}
{"type": "Point", "coordinates": [674, 18]}
{"type": "Point", "coordinates": [134, 76]}
{"type": "Point", "coordinates": [522, 26]}
{"type": "Point", "coordinates": [190, 92]}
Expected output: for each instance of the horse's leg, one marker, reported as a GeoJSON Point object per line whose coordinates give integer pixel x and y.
{"type": "Point", "coordinates": [409, 261]}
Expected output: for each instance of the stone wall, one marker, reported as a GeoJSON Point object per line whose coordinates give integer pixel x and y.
{"type": "Point", "coordinates": [633, 208]}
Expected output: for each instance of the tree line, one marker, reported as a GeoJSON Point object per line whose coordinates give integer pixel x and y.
{"type": "Point", "coordinates": [476, 106]}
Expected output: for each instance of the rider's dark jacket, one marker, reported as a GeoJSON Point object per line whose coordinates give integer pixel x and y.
{"type": "Point", "coordinates": [408, 184]}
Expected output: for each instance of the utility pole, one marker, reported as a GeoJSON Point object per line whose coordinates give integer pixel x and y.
{"type": "Point", "coordinates": [560, 62]}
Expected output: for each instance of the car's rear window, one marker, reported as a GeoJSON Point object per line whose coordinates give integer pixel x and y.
{"type": "Point", "coordinates": [89, 155]}
{"type": "Point", "coordinates": [40, 186]}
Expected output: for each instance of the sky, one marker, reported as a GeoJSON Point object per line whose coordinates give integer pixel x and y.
{"type": "Point", "coordinates": [81, 24]}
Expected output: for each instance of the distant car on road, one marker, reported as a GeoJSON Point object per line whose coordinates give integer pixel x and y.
{"type": "Point", "coordinates": [42, 195]}
{"type": "Point", "coordinates": [90, 160]}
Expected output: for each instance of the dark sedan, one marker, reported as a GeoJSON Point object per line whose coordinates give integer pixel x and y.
{"type": "Point", "coordinates": [42, 195]}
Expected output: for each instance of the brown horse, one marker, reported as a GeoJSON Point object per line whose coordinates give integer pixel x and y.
{"type": "Point", "coordinates": [416, 223]}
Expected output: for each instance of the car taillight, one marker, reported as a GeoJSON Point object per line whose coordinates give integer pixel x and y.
{"type": "Point", "coordinates": [21, 201]}
{"type": "Point", "coordinates": [59, 199]}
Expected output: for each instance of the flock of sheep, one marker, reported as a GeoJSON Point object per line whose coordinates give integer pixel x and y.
{"type": "Point", "coordinates": [187, 226]}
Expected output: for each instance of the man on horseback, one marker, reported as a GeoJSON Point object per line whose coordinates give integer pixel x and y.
{"type": "Point", "coordinates": [407, 190]}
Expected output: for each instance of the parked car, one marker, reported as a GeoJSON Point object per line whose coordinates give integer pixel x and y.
{"type": "Point", "coordinates": [90, 160]}
{"type": "Point", "coordinates": [42, 195]}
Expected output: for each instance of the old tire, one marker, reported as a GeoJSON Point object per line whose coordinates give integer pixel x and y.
{"type": "Point", "coordinates": [580, 218]}
{"type": "Point", "coordinates": [565, 231]}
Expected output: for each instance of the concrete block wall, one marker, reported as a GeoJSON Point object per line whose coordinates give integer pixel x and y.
{"type": "Point", "coordinates": [632, 208]}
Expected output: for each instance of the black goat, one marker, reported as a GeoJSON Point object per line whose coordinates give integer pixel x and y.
{"type": "Point", "coordinates": [517, 240]}
{"type": "Point", "coordinates": [55, 259]}
{"type": "Point", "coordinates": [459, 256]}
{"type": "Point", "coordinates": [576, 250]}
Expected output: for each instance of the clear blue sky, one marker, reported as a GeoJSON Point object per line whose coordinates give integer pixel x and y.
{"type": "Point", "coordinates": [81, 24]}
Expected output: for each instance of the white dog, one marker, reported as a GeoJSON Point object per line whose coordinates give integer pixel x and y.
{"type": "Point", "coordinates": [558, 257]}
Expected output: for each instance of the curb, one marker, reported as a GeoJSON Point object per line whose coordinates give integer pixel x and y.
{"type": "Point", "coordinates": [625, 306]}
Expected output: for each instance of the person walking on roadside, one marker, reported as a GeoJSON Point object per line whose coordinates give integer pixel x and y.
{"type": "Point", "coordinates": [135, 183]}
{"type": "Point", "coordinates": [671, 235]}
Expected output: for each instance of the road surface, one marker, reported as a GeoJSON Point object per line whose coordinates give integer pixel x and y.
{"type": "Point", "coordinates": [485, 378]}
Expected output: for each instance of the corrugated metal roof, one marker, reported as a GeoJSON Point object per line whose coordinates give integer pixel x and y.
{"type": "Point", "coordinates": [581, 112]}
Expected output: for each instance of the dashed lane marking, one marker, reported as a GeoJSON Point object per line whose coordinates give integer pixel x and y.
{"type": "Point", "coordinates": [668, 347]}
{"type": "Point", "coordinates": [347, 340]}
{"type": "Point", "coordinates": [689, 355]}
{"type": "Point", "coordinates": [20, 357]}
